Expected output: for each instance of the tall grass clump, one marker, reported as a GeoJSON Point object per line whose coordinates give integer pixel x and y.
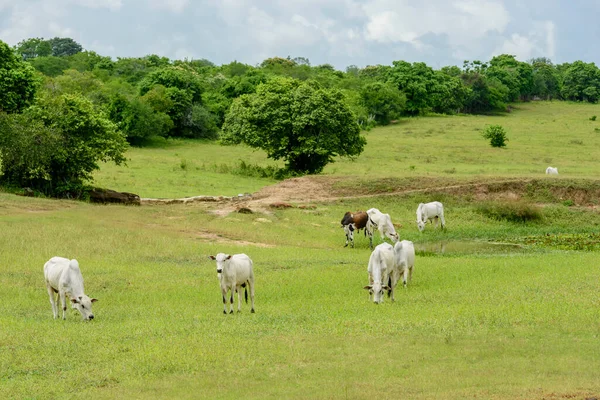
{"type": "Point", "coordinates": [511, 211]}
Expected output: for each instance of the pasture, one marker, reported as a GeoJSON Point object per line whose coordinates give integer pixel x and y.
{"type": "Point", "coordinates": [499, 322]}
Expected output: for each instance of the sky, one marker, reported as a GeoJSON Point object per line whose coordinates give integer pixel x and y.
{"type": "Point", "coordinates": [336, 32]}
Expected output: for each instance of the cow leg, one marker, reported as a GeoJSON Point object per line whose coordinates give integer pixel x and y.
{"type": "Point", "coordinates": [251, 288]}
{"type": "Point", "coordinates": [63, 303]}
{"type": "Point", "coordinates": [53, 299]}
{"type": "Point", "coordinates": [410, 274]}
{"type": "Point", "coordinates": [443, 221]}
{"type": "Point", "coordinates": [239, 292]}
{"type": "Point", "coordinates": [224, 294]}
{"type": "Point", "coordinates": [405, 276]}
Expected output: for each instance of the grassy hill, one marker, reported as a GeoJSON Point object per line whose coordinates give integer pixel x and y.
{"type": "Point", "coordinates": [503, 304]}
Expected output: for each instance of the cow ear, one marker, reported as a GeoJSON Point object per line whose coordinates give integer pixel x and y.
{"type": "Point", "coordinates": [212, 257]}
{"type": "Point", "coordinates": [228, 257]}
{"type": "Point", "coordinates": [368, 287]}
{"type": "Point", "coordinates": [74, 300]}
{"type": "Point", "coordinates": [385, 287]}
{"type": "Point", "coordinates": [93, 300]}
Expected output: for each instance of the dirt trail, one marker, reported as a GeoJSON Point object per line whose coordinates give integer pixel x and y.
{"type": "Point", "coordinates": [306, 190]}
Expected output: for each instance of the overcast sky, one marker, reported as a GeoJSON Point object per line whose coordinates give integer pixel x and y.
{"type": "Point", "coordinates": [338, 32]}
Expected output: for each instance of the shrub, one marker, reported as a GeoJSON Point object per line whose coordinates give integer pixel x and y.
{"type": "Point", "coordinates": [496, 134]}
{"type": "Point", "coordinates": [593, 118]}
{"type": "Point", "coordinates": [511, 211]}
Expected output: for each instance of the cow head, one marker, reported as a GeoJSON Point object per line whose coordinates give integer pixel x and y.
{"type": "Point", "coordinates": [83, 304]}
{"type": "Point", "coordinates": [376, 291]}
{"type": "Point", "coordinates": [393, 236]}
{"type": "Point", "coordinates": [420, 225]}
{"type": "Point", "coordinates": [220, 258]}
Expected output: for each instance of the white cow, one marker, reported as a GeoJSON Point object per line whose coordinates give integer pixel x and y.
{"type": "Point", "coordinates": [63, 277]}
{"type": "Point", "coordinates": [551, 171]}
{"type": "Point", "coordinates": [235, 272]}
{"type": "Point", "coordinates": [404, 260]}
{"type": "Point", "coordinates": [428, 211]}
{"type": "Point", "coordinates": [383, 222]}
{"type": "Point", "coordinates": [381, 277]}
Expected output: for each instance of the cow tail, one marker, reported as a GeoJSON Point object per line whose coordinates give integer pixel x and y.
{"type": "Point", "coordinates": [246, 293]}
{"type": "Point", "coordinates": [389, 285]}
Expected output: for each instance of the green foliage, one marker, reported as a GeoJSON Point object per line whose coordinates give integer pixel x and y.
{"type": "Point", "coordinates": [383, 101]}
{"type": "Point", "coordinates": [301, 123]}
{"type": "Point", "coordinates": [179, 77]}
{"type": "Point", "coordinates": [70, 136]}
{"type": "Point", "coordinates": [581, 82]}
{"type": "Point", "coordinates": [511, 211]}
{"type": "Point", "coordinates": [50, 66]}
{"type": "Point", "coordinates": [137, 119]}
{"type": "Point", "coordinates": [496, 135]}
{"type": "Point", "coordinates": [56, 47]}
{"type": "Point", "coordinates": [18, 82]}
{"type": "Point", "coordinates": [593, 118]}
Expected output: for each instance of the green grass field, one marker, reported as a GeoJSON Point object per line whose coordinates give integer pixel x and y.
{"type": "Point", "coordinates": [478, 321]}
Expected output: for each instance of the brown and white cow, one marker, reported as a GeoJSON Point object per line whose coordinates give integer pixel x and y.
{"type": "Point", "coordinates": [355, 222]}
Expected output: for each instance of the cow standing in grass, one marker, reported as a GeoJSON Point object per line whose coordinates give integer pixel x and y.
{"type": "Point", "coordinates": [551, 171]}
{"type": "Point", "coordinates": [383, 222]}
{"type": "Point", "coordinates": [63, 278]}
{"type": "Point", "coordinates": [381, 268]}
{"type": "Point", "coordinates": [429, 211]}
{"type": "Point", "coordinates": [404, 260]}
{"type": "Point", "coordinates": [355, 222]}
{"type": "Point", "coordinates": [234, 273]}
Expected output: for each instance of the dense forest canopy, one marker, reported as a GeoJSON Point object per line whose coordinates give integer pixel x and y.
{"type": "Point", "coordinates": [140, 98]}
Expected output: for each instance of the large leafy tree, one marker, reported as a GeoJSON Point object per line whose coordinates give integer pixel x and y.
{"type": "Point", "coordinates": [581, 82]}
{"type": "Point", "coordinates": [56, 145]}
{"type": "Point", "coordinates": [18, 82]}
{"type": "Point", "coordinates": [299, 122]}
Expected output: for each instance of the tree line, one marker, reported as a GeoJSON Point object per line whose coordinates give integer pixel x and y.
{"type": "Point", "coordinates": [75, 106]}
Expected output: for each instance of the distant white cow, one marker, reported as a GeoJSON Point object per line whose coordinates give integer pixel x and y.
{"type": "Point", "coordinates": [235, 272]}
{"type": "Point", "coordinates": [381, 267]}
{"type": "Point", "coordinates": [383, 222]}
{"type": "Point", "coordinates": [63, 277]}
{"type": "Point", "coordinates": [428, 211]}
{"type": "Point", "coordinates": [551, 171]}
{"type": "Point", "coordinates": [404, 260]}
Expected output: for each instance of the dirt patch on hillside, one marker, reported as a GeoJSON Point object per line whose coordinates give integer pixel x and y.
{"type": "Point", "coordinates": [308, 190]}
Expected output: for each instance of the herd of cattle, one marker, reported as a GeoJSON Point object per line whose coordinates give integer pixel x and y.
{"type": "Point", "coordinates": [387, 264]}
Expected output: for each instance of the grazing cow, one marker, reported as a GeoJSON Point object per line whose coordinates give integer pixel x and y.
{"type": "Point", "coordinates": [383, 222]}
{"type": "Point", "coordinates": [381, 268]}
{"type": "Point", "coordinates": [235, 272]}
{"type": "Point", "coordinates": [63, 277]}
{"type": "Point", "coordinates": [404, 260]}
{"type": "Point", "coordinates": [428, 211]}
{"type": "Point", "coordinates": [355, 222]}
{"type": "Point", "coordinates": [551, 171]}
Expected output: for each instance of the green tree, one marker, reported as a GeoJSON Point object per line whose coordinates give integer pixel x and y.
{"type": "Point", "coordinates": [50, 66]}
{"type": "Point", "coordinates": [62, 47]}
{"type": "Point", "coordinates": [18, 82]}
{"type": "Point", "coordinates": [299, 122]}
{"type": "Point", "coordinates": [137, 119]}
{"type": "Point", "coordinates": [34, 47]}
{"type": "Point", "coordinates": [71, 135]}
{"type": "Point", "coordinates": [546, 79]}
{"type": "Point", "coordinates": [383, 101]}
{"type": "Point", "coordinates": [418, 82]}
{"type": "Point", "coordinates": [581, 82]}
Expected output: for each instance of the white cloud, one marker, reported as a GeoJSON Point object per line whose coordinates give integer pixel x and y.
{"type": "Point", "coordinates": [462, 22]}
{"type": "Point", "coordinates": [112, 5]}
{"type": "Point", "coordinates": [175, 6]}
{"type": "Point", "coordinates": [538, 42]}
